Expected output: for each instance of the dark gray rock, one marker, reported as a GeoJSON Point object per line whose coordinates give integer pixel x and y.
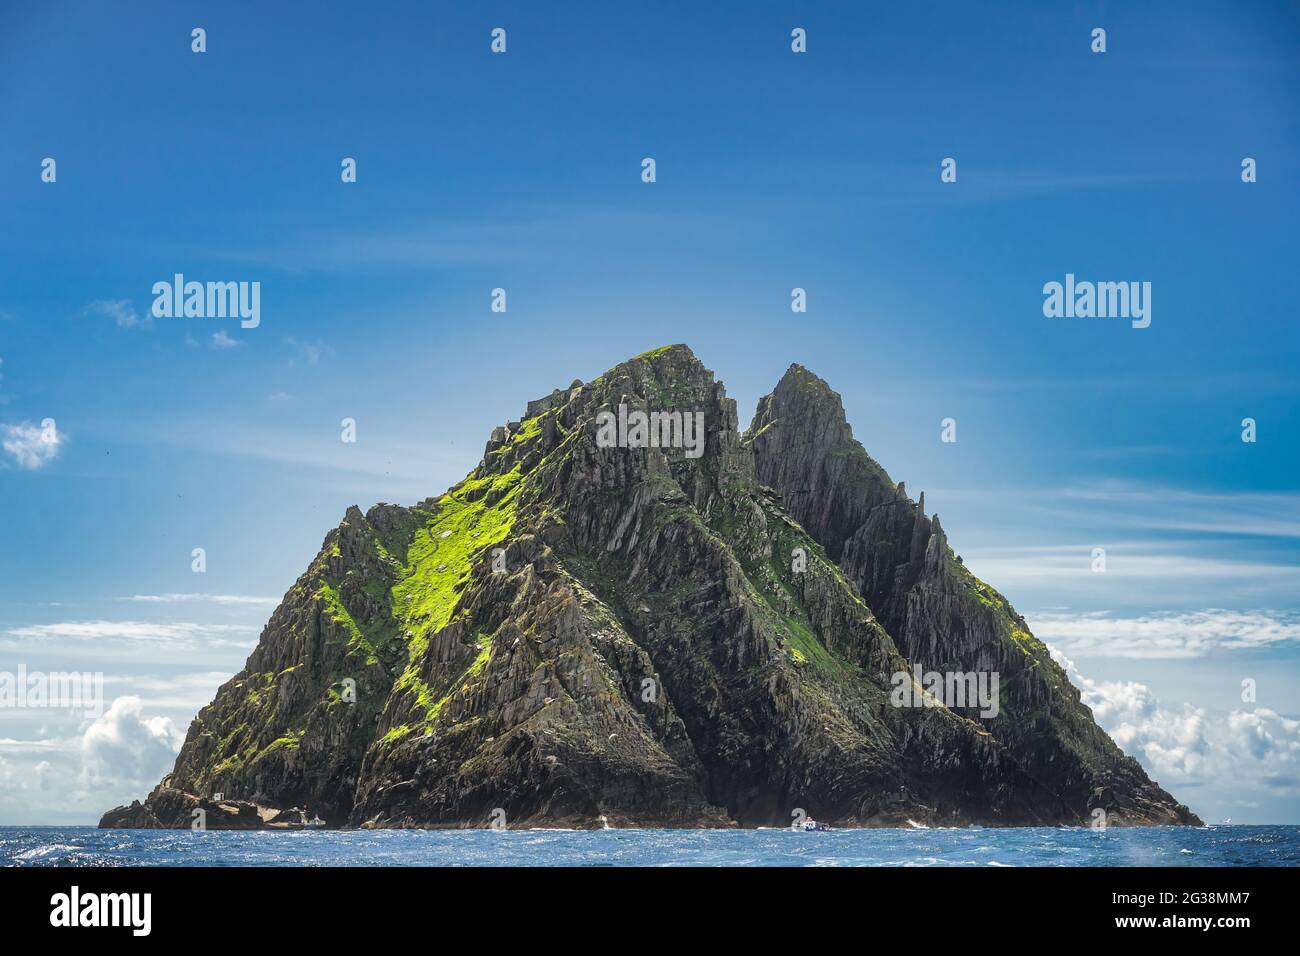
{"type": "Point", "coordinates": [577, 632]}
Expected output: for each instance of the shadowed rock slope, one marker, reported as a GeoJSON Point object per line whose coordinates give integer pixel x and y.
{"type": "Point", "coordinates": [940, 616]}
{"type": "Point", "coordinates": [577, 634]}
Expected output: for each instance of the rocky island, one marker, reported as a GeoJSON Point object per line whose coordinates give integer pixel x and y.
{"type": "Point", "coordinates": [624, 632]}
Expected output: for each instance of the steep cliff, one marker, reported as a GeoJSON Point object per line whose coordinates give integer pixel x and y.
{"type": "Point", "coordinates": [939, 614]}
{"type": "Point", "coordinates": [585, 630]}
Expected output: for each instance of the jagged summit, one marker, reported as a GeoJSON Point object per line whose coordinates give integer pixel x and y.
{"type": "Point", "coordinates": [934, 609]}
{"type": "Point", "coordinates": [629, 610]}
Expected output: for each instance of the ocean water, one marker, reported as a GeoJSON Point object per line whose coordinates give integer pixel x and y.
{"type": "Point", "coordinates": [1147, 846]}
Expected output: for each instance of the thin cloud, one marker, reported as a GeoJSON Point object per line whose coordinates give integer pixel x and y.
{"type": "Point", "coordinates": [532, 235]}
{"type": "Point", "coordinates": [134, 632]}
{"type": "Point", "coordinates": [194, 598]}
{"type": "Point", "coordinates": [1151, 560]}
{"type": "Point", "coordinates": [14, 745]}
{"type": "Point", "coordinates": [1256, 514]}
{"type": "Point", "coordinates": [309, 352]}
{"type": "Point", "coordinates": [121, 311]}
{"type": "Point", "coordinates": [415, 461]}
{"type": "Point", "coordinates": [1143, 508]}
{"type": "Point", "coordinates": [183, 692]}
{"type": "Point", "coordinates": [223, 342]}
{"type": "Point", "coordinates": [1169, 636]}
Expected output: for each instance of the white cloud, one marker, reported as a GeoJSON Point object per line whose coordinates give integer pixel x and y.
{"type": "Point", "coordinates": [220, 340]}
{"type": "Point", "coordinates": [9, 780]}
{"type": "Point", "coordinates": [32, 446]}
{"type": "Point", "coordinates": [1148, 560]}
{"type": "Point", "coordinates": [310, 352]}
{"type": "Point", "coordinates": [1190, 745]}
{"type": "Point", "coordinates": [1267, 514]}
{"type": "Point", "coordinates": [123, 747]}
{"type": "Point", "coordinates": [1135, 509]}
{"type": "Point", "coordinates": [122, 312]}
{"type": "Point", "coordinates": [418, 463]}
{"type": "Point", "coordinates": [13, 745]}
{"type": "Point", "coordinates": [1181, 571]}
{"type": "Point", "coordinates": [533, 234]}
{"type": "Point", "coordinates": [1168, 635]}
{"type": "Point", "coordinates": [176, 692]}
{"type": "Point", "coordinates": [130, 631]}
{"type": "Point", "coordinates": [192, 598]}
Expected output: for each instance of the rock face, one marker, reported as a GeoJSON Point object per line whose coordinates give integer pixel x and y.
{"type": "Point", "coordinates": [578, 631]}
{"type": "Point", "coordinates": [168, 807]}
{"type": "Point", "coordinates": [938, 613]}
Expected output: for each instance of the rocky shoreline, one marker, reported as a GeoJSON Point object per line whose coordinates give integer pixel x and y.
{"type": "Point", "coordinates": [170, 809]}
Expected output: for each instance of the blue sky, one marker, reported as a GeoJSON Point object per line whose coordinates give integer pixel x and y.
{"type": "Point", "coordinates": [774, 170]}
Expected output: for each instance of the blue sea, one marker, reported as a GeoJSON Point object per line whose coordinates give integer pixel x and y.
{"type": "Point", "coordinates": [1147, 846]}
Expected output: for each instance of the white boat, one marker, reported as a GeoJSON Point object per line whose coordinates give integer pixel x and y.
{"type": "Point", "coordinates": [812, 826]}
{"type": "Point", "coordinates": [315, 823]}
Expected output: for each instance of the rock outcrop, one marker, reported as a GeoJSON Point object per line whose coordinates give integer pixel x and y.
{"type": "Point", "coordinates": [169, 808]}
{"type": "Point", "coordinates": [939, 614]}
{"type": "Point", "coordinates": [580, 633]}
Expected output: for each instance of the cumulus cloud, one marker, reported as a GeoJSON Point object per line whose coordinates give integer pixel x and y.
{"type": "Point", "coordinates": [125, 747]}
{"type": "Point", "coordinates": [222, 341]}
{"type": "Point", "coordinates": [32, 446]}
{"type": "Point", "coordinates": [121, 311]}
{"type": "Point", "coordinates": [1189, 745]}
{"type": "Point", "coordinates": [1169, 635]}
